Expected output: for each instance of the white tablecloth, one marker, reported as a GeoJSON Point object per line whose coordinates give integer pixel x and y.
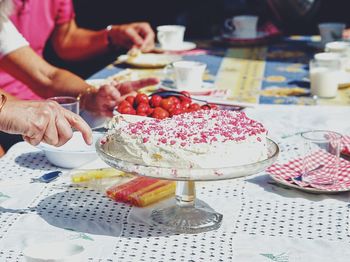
{"type": "Point", "coordinates": [262, 221]}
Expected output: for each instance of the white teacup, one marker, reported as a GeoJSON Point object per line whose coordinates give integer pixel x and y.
{"type": "Point", "coordinates": [338, 47]}
{"type": "Point", "coordinates": [243, 26]}
{"type": "Point", "coordinates": [170, 36]}
{"type": "Point", "coordinates": [188, 75]}
{"type": "Point", "coordinates": [331, 32]}
{"type": "Point", "coordinates": [327, 57]}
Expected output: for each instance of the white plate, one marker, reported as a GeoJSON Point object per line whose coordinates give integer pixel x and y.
{"type": "Point", "coordinates": [149, 60]}
{"type": "Point", "coordinates": [206, 87]}
{"type": "Point", "coordinates": [307, 189]}
{"type": "Point", "coordinates": [185, 46]}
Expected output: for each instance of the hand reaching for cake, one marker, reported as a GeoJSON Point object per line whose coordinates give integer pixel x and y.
{"type": "Point", "coordinates": [108, 96]}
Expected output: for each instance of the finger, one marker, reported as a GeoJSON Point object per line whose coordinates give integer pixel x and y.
{"type": "Point", "coordinates": [148, 37]}
{"type": "Point", "coordinates": [34, 141]}
{"type": "Point", "coordinates": [64, 130]}
{"type": "Point", "coordinates": [109, 91]}
{"type": "Point", "coordinates": [36, 132]}
{"type": "Point", "coordinates": [145, 30]}
{"type": "Point", "coordinates": [134, 37]}
{"type": "Point", "coordinates": [148, 47]}
{"type": "Point", "coordinates": [50, 135]}
{"type": "Point", "coordinates": [78, 123]}
{"type": "Point", "coordinates": [131, 86]}
{"type": "Point", "coordinates": [110, 105]}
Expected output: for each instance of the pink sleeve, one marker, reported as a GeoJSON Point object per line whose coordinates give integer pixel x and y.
{"type": "Point", "coordinates": [65, 11]}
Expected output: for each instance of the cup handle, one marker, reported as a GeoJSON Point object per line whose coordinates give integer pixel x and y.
{"type": "Point", "coordinates": [228, 25]}
{"type": "Point", "coordinates": [160, 37]}
{"type": "Point", "coordinates": [168, 73]}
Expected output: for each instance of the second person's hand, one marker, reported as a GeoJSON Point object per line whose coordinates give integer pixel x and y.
{"type": "Point", "coordinates": [134, 35]}
{"type": "Point", "coordinates": [107, 97]}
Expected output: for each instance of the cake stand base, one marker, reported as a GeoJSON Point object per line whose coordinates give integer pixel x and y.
{"type": "Point", "coordinates": [188, 220]}
{"type": "Point", "coordinates": [188, 215]}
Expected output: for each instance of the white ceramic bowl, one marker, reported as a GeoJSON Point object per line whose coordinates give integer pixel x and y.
{"type": "Point", "coordinates": [54, 252]}
{"type": "Point", "coordinates": [73, 154]}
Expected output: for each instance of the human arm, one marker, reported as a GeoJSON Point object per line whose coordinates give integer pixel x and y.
{"type": "Point", "coordinates": [47, 81]}
{"type": "Point", "coordinates": [44, 79]}
{"type": "Point", "coordinates": [9, 97]}
{"type": "Point", "coordinates": [73, 43]}
{"type": "Point", "coordinates": [42, 121]}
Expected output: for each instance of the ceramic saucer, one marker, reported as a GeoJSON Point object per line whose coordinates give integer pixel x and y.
{"type": "Point", "coordinates": [206, 88]}
{"type": "Point", "coordinates": [148, 60]}
{"type": "Point", "coordinates": [185, 46]}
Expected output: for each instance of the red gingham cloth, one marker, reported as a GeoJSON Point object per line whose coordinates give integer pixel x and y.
{"type": "Point", "coordinates": [293, 168]}
{"type": "Point", "coordinates": [346, 145]}
{"type": "Point", "coordinates": [196, 51]}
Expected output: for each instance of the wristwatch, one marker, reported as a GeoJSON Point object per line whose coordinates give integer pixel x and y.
{"type": "Point", "coordinates": [109, 37]}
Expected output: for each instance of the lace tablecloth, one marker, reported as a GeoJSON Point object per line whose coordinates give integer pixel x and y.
{"type": "Point", "coordinates": [262, 221]}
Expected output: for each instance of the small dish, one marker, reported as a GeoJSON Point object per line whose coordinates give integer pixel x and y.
{"type": "Point", "coordinates": [72, 154]}
{"type": "Point", "coordinates": [148, 60]}
{"type": "Point", "coordinates": [307, 189]}
{"type": "Point", "coordinates": [207, 87]}
{"type": "Point", "coordinates": [185, 46]}
{"type": "Point", "coordinates": [54, 252]}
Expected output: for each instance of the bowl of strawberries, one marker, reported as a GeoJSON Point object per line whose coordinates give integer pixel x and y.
{"type": "Point", "coordinates": [161, 105]}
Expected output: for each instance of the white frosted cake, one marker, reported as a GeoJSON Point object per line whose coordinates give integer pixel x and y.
{"type": "Point", "coordinates": [201, 139]}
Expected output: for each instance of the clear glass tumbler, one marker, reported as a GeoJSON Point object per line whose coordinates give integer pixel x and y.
{"type": "Point", "coordinates": [321, 157]}
{"type": "Point", "coordinates": [68, 102]}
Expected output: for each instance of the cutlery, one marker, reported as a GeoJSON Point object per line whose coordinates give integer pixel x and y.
{"type": "Point", "coordinates": [48, 177]}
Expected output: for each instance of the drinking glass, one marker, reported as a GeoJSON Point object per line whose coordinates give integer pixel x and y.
{"type": "Point", "coordinates": [325, 75]}
{"type": "Point", "coordinates": [320, 163]}
{"type": "Point", "coordinates": [68, 102]}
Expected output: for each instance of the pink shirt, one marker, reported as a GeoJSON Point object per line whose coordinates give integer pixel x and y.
{"type": "Point", "coordinates": [35, 20]}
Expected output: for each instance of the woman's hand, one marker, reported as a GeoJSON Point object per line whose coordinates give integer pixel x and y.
{"type": "Point", "coordinates": [109, 96]}
{"type": "Point", "coordinates": [42, 121]}
{"type": "Point", "coordinates": [134, 35]}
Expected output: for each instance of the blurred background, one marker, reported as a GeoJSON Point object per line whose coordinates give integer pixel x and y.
{"type": "Point", "coordinates": [203, 18]}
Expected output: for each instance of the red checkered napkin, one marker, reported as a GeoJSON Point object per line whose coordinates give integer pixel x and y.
{"type": "Point", "coordinates": [189, 52]}
{"type": "Point", "coordinates": [346, 145]}
{"type": "Point", "coordinates": [289, 171]}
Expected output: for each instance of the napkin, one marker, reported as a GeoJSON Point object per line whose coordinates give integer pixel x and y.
{"type": "Point", "coordinates": [293, 169]}
{"type": "Point", "coordinates": [346, 145]}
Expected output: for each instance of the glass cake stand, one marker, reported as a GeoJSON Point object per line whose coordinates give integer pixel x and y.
{"type": "Point", "coordinates": [188, 215]}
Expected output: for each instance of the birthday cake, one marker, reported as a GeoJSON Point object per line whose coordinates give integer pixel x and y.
{"type": "Point", "coordinates": [201, 139]}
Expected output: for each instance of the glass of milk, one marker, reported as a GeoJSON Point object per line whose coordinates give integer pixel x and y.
{"type": "Point", "coordinates": [324, 77]}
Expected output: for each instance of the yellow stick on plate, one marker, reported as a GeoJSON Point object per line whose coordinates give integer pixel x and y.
{"type": "Point", "coordinates": [155, 195]}
{"type": "Point", "coordinates": [87, 175]}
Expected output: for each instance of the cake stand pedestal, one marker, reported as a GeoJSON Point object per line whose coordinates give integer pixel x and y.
{"type": "Point", "coordinates": [187, 216]}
